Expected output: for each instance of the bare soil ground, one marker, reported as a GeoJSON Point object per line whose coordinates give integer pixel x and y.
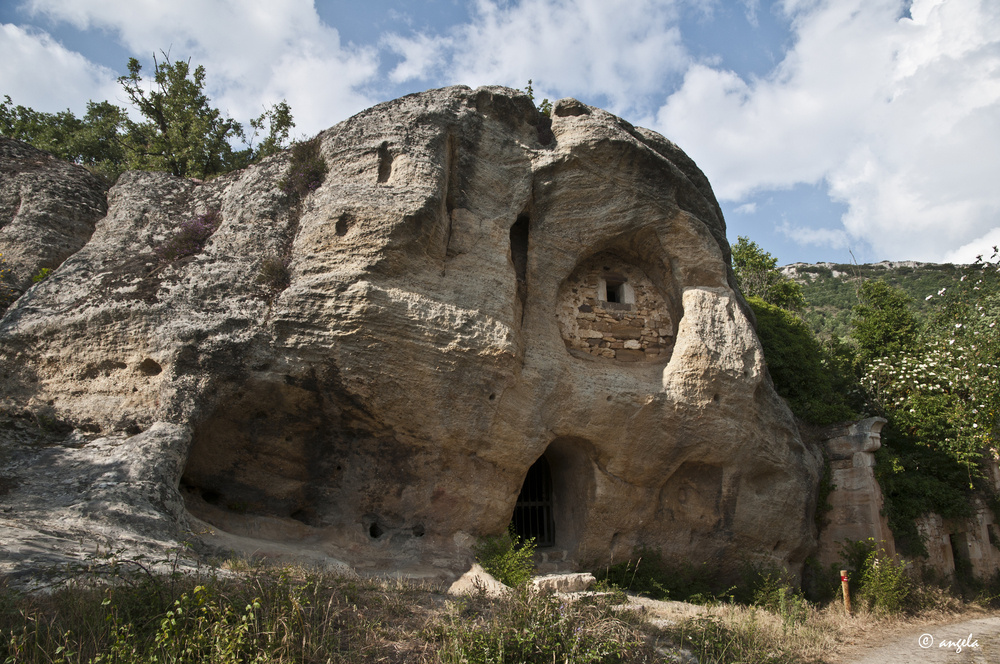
{"type": "Point", "coordinates": [970, 641]}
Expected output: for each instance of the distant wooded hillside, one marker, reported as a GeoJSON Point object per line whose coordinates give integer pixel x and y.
{"type": "Point", "coordinates": [830, 289]}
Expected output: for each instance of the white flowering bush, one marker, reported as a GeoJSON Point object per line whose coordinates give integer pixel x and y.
{"type": "Point", "coordinates": [940, 390]}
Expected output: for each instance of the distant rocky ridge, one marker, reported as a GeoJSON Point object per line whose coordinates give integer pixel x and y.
{"type": "Point", "coordinates": [830, 288]}
{"type": "Point", "coordinates": [489, 314]}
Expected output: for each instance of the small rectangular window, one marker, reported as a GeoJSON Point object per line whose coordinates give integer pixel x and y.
{"type": "Point", "coordinates": [614, 291]}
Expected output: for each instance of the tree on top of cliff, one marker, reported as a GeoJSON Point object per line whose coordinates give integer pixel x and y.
{"type": "Point", "coordinates": [758, 276]}
{"type": "Point", "coordinates": [181, 132]}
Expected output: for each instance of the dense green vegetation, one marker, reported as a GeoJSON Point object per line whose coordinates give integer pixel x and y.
{"type": "Point", "coordinates": [830, 290]}
{"type": "Point", "coordinates": [918, 345]}
{"type": "Point", "coordinates": [180, 131]}
{"type": "Point", "coordinates": [937, 382]}
{"type": "Point", "coordinates": [758, 277]}
{"type": "Point", "coordinates": [810, 376]}
{"type": "Point", "coordinates": [815, 378]}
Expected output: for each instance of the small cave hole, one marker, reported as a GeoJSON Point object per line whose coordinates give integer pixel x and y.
{"type": "Point", "coordinates": [150, 367]}
{"type": "Point", "coordinates": [384, 162]}
{"type": "Point", "coordinates": [610, 397]}
{"type": "Point", "coordinates": [344, 222]}
{"type": "Point", "coordinates": [211, 497]}
{"type": "Point", "coordinates": [302, 516]}
{"type": "Point", "coordinates": [418, 530]}
{"type": "Point", "coordinates": [492, 397]}
{"type": "Point", "coordinates": [375, 531]}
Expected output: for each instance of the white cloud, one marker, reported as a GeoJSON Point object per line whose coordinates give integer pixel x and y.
{"type": "Point", "coordinates": [622, 50]}
{"type": "Point", "coordinates": [897, 115]}
{"type": "Point", "coordinates": [747, 208]}
{"type": "Point", "coordinates": [826, 237]}
{"type": "Point", "coordinates": [70, 79]}
{"type": "Point", "coordinates": [421, 55]}
{"type": "Point", "coordinates": [983, 246]}
{"type": "Point", "coordinates": [750, 9]}
{"type": "Point", "coordinates": [255, 52]}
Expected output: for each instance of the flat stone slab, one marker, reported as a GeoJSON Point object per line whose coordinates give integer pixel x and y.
{"type": "Point", "coordinates": [564, 583]}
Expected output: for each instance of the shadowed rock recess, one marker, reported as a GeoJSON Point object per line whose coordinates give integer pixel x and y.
{"type": "Point", "coordinates": [490, 316]}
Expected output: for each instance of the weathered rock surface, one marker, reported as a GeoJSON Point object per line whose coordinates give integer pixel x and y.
{"type": "Point", "coordinates": [385, 408]}
{"type": "Point", "coordinates": [48, 209]}
{"type": "Point", "coordinates": [477, 580]}
{"type": "Point", "coordinates": [564, 583]}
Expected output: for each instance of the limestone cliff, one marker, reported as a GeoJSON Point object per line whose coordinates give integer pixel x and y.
{"type": "Point", "coordinates": [480, 300]}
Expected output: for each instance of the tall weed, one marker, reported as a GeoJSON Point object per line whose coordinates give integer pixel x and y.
{"type": "Point", "coordinates": [532, 627]}
{"type": "Point", "coordinates": [507, 557]}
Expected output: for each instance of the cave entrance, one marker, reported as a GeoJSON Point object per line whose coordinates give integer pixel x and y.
{"type": "Point", "coordinates": [960, 553]}
{"type": "Point", "coordinates": [533, 516]}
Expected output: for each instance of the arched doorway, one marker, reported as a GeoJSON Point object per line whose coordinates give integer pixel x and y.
{"type": "Point", "coordinates": [533, 516]}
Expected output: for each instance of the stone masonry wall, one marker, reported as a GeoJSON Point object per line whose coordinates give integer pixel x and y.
{"type": "Point", "coordinates": [637, 331]}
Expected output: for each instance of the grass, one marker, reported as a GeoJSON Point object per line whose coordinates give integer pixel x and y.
{"type": "Point", "coordinates": [248, 611]}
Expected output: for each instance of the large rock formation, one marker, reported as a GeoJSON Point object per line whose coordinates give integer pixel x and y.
{"type": "Point", "coordinates": [48, 209]}
{"type": "Point", "coordinates": [480, 300]}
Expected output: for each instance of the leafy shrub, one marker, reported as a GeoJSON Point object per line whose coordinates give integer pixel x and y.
{"type": "Point", "coordinates": [758, 276]}
{"type": "Point", "coordinates": [528, 626]}
{"type": "Point", "coordinates": [805, 373]}
{"type": "Point", "coordinates": [507, 557]}
{"type": "Point", "coordinates": [778, 594]}
{"type": "Point", "coordinates": [880, 582]}
{"type": "Point", "coordinates": [190, 237]}
{"type": "Point", "coordinates": [42, 275]}
{"type": "Point", "coordinates": [307, 170]}
{"type": "Point", "coordinates": [885, 588]}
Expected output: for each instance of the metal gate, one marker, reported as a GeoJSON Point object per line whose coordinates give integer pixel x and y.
{"type": "Point", "coordinates": [533, 511]}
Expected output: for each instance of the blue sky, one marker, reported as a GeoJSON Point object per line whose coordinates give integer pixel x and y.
{"type": "Point", "coordinates": [826, 127]}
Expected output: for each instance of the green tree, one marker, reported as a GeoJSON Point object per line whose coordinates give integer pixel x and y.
{"type": "Point", "coordinates": [183, 134]}
{"type": "Point", "coordinates": [883, 324]}
{"type": "Point", "coordinates": [758, 276]}
{"type": "Point", "coordinates": [91, 141]}
{"type": "Point", "coordinates": [180, 131]}
{"type": "Point", "coordinates": [938, 387]}
{"type": "Point", "coordinates": [811, 377]}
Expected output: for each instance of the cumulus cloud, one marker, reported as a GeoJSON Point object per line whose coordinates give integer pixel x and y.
{"type": "Point", "coordinates": [827, 237]}
{"type": "Point", "coordinates": [620, 50]}
{"type": "Point", "coordinates": [980, 247]}
{"type": "Point", "coordinates": [896, 114]}
{"type": "Point", "coordinates": [70, 79]}
{"type": "Point", "coordinates": [256, 52]}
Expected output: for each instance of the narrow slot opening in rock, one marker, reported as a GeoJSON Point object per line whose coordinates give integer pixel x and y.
{"type": "Point", "coordinates": [384, 162]}
{"type": "Point", "coordinates": [960, 552]}
{"type": "Point", "coordinates": [519, 247]}
{"type": "Point", "coordinates": [533, 511]}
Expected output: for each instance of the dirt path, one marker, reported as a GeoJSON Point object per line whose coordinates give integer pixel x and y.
{"type": "Point", "coordinates": [970, 642]}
